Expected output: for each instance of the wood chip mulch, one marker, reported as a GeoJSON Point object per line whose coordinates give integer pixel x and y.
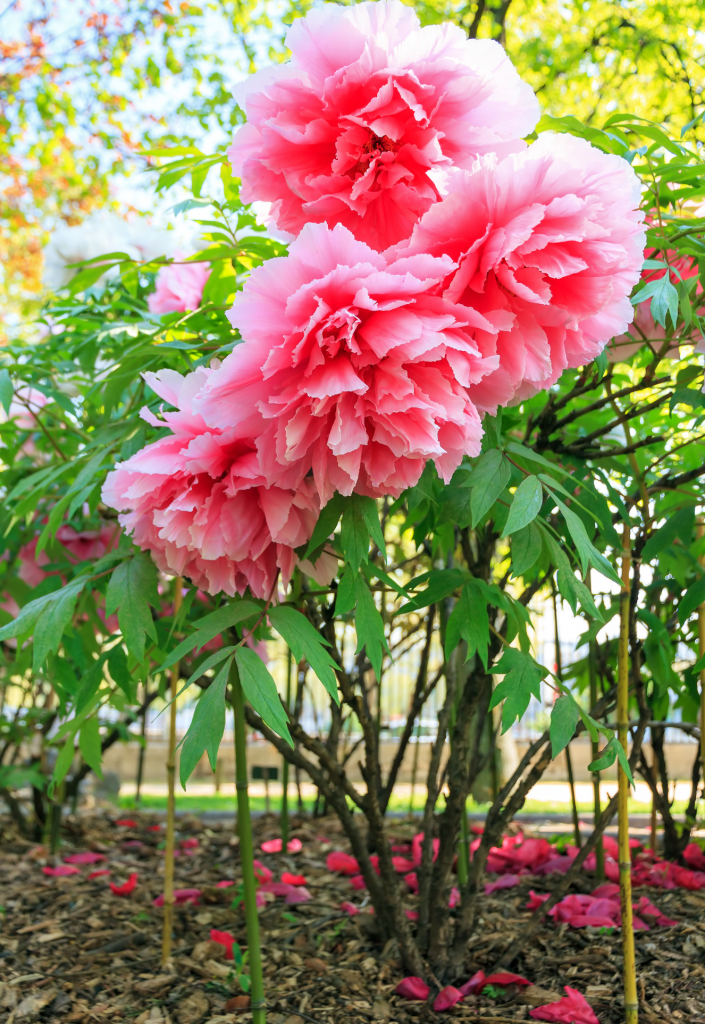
{"type": "Point", "coordinates": [72, 951]}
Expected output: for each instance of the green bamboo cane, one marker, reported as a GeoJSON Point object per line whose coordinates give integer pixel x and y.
{"type": "Point", "coordinates": [257, 1004]}
{"type": "Point", "coordinates": [284, 818]}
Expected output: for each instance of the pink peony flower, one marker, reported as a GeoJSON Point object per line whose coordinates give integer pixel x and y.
{"type": "Point", "coordinates": [355, 129]}
{"type": "Point", "coordinates": [179, 287]}
{"type": "Point", "coordinates": [359, 373]}
{"type": "Point", "coordinates": [81, 545]}
{"type": "Point", "coordinates": [198, 501]}
{"type": "Point", "coordinates": [553, 238]}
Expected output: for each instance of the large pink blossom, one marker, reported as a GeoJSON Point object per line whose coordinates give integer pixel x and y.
{"type": "Point", "coordinates": [179, 287]}
{"type": "Point", "coordinates": [355, 128]}
{"type": "Point", "coordinates": [358, 371]}
{"type": "Point", "coordinates": [553, 237]}
{"type": "Point", "coordinates": [81, 546]}
{"type": "Point", "coordinates": [198, 501]}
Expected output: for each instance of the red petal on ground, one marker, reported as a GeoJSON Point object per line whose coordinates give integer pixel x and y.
{"type": "Point", "coordinates": [60, 871]}
{"type": "Point", "coordinates": [413, 915]}
{"type": "Point", "coordinates": [181, 896]}
{"type": "Point", "coordinates": [536, 899]}
{"type": "Point", "coordinates": [126, 888]}
{"type": "Point", "coordinates": [412, 881]}
{"type": "Point", "coordinates": [225, 884]}
{"type": "Point", "coordinates": [475, 984]}
{"type": "Point", "coordinates": [294, 846]}
{"type": "Point", "coordinates": [99, 873]}
{"type": "Point", "coordinates": [402, 865]}
{"type": "Point", "coordinates": [349, 908]}
{"type": "Point", "coordinates": [224, 939]}
{"type": "Point", "coordinates": [127, 823]}
{"type": "Point", "coordinates": [298, 894]}
{"type": "Point", "coordinates": [342, 863]}
{"type": "Point", "coordinates": [189, 844]}
{"type": "Point", "coordinates": [85, 858]}
{"type": "Point", "coordinates": [503, 882]}
{"type": "Point", "coordinates": [154, 828]}
{"type": "Point", "coordinates": [272, 846]}
{"type": "Point", "coordinates": [412, 988]}
{"type": "Point", "coordinates": [694, 857]}
{"type": "Point", "coordinates": [358, 882]}
{"type": "Point", "coordinates": [293, 879]}
{"type": "Point", "coordinates": [507, 978]}
{"type": "Point", "coordinates": [262, 874]}
{"type": "Point", "coordinates": [606, 891]}
{"type": "Point", "coordinates": [447, 998]}
{"type": "Point", "coordinates": [573, 1008]}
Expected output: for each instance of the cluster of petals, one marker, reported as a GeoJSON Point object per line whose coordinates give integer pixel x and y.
{"type": "Point", "coordinates": [179, 287]}
{"type": "Point", "coordinates": [198, 501]}
{"type": "Point", "coordinates": [359, 372]}
{"type": "Point", "coordinates": [360, 125]}
{"type": "Point", "coordinates": [551, 238]}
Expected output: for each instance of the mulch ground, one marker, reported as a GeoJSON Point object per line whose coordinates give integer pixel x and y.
{"type": "Point", "coordinates": [72, 951]}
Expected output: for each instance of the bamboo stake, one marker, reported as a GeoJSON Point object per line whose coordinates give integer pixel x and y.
{"type": "Point", "coordinates": [568, 759]}
{"type": "Point", "coordinates": [631, 1005]}
{"type": "Point", "coordinates": [700, 533]}
{"type": "Point", "coordinates": [140, 756]}
{"type": "Point", "coordinates": [257, 1004]}
{"type": "Point", "coordinates": [599, 848]}
{"type": "Point", "coordinates": [284, 817]}
{"type": "Point", "coordinates": [171, 802]}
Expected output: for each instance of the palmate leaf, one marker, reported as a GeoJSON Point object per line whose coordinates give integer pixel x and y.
{"type": "Point", "coordinates": [90, 746]}
{"type": "Point", "coordinates": [306, 642]}
{"type": "Point", "coordinates": [564, 718]}
{"type": "Point", "coordinates": [25, 622]}
{"type": "Point", "coordinates": [369, 627]}
{"type": "Point", "coordinates": [527, 545]}
{"type": "Point", "coordinates": [441, 584]}
{"type": "Point", "coordinates": [131, 591]}
{"type": "Point", "coordinates": [210, 626]}
{"type": "Point", "coordinates": [488, 479]}
{"type": "Point", "coordinates": [525, 505]}
{"type": "Point", "coordinates": [679, 525]}
{"type": "Point", "coordinates": [207, 726]}
{"type": "Point", "coordinates": [261, 691]}
{"type": "Point", "coordinates": [522, 681]}
{"type": "Point", "coordinates": [469, 621]}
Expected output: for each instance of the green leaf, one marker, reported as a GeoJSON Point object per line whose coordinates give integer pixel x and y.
{"type": "Point", "coordinates": [564, 718]}
{"type": "Point", "coordinates": [210, 626]}
{"type": "Point", "coordinates": [693, 597]}
{"type": "Point", "coordinates": [305, 641]}
{"type": "Point", "coordinates": [521, 682]}
{"type": "Point", "coordinates": [587, 552]}
{"type": "Point", "coordinates": [526, 548]}
{"type": "Point", "coordinates": [526, 505]}
{"type": "Point", "coordinates": [488, 479]}
{"type": "Point", "coordinates": [132, 589]}
{"type": "Point", "coordinates": [25, 622]}
{"type": "Point", "coordinates": [590, 724]}
{"type": "Point", "coordinates": [470, 622]}
{"type": "Point", "coordinates": [441, 584]}
{"type": "Point", "coordinates": [679, 525]}
{"type": "Point", "coordinates": [120, 673]}
{"type": "Point", "coordinates": [7, 392]}
{"type": "Point", "coordinates": [326, 524]}
{"type": "Point", "coordinates": [606, 758]}
{"type": "Point", "coordinates": [63, 764]}
{"type": "Point", "coordinates": [572, 589]}
{"type": "Point", "coordinates": [354, 533]}
{"type": "Point", "coordinates": [532, 456]}
{"type": "Point", "coordinates": [346, 596]}
{"type": "Point", "coordinates": [207, 726]}
{"type": "Point", "coordinates": [52, 622]}
{"type": "Point", "coordinates": [261, 691]}
{"type": "Point", "coordinates": [369, 627]}
{"type": "Point", "coordinates": [371, 517]}
{"type": "Point", "coordinates": [90, 746]}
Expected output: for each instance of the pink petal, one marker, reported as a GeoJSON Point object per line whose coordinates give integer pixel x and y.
{"type": "Point", "coordinates": [412, 988]}
{"type": "Point", "coordinates": [447, 998]}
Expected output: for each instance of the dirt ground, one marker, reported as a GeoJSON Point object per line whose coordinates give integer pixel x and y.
{"type": "Point", "coordinates": [73, 951]}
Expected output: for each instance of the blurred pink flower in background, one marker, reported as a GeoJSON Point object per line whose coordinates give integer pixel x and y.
{"type": "Point", "coordinates": [553, 238]}
{"type": "Point", "coordinates": [179, 287]}
{"type": "Point", "coordinates": [81, 545]}
{"type": "Point", "coordinates": [198, 501]}
{"type": "Point", "coordinates": [358, 371]}
{"type": "Point", "coordinates": [355, 127]}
